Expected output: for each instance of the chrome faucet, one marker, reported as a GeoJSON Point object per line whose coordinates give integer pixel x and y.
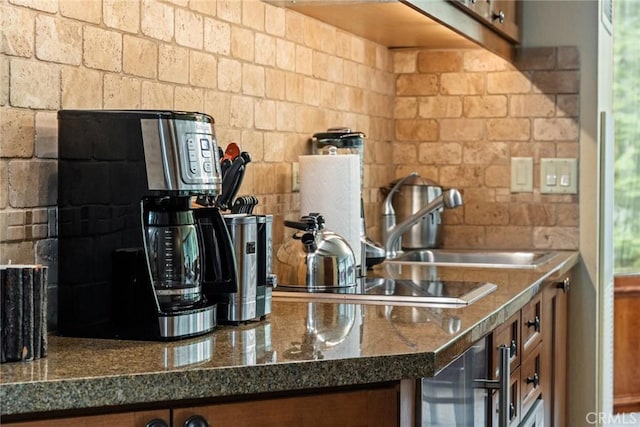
{"type": "Point", "coordinates": [391, 231]}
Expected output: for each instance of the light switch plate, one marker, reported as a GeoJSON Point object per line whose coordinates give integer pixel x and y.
{"type": "Point", "coordinates": [522, 174]}
{"type": "Point", "coordinates": [559, 176]}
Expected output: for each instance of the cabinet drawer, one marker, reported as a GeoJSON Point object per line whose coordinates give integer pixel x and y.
{"type": "Point", "coordinates": [507, 334]}
{"type": "Point", "coordinates": [531, 324]}
{"type": "Point", "coordinates": [530, 371]}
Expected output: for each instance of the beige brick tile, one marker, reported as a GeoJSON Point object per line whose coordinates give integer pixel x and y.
{"type": "Point", "coordinates": [265, 114]}
{"type": "Point", "coordinates": [274, 18]}
{"type": "Point", "coordinates": [555, 129]}
{"type": "Point", "coordinates": [462, 83]}
{"type": "Point", "coordinates": [343, 44]}
{"type": "Point", "coordinates": [30, 183]}
{"type": "Point", "coordinates": [463, 236]}
{"type": "Point", "coordinates": [416, 130]}
{"type": "Point", "coordinates": [508, 129]}
{"type": "Point", "coordinates": [304, 60]}
{"type": "Point", "coordinates": [405, 107]}
{"type": "Point", "coordinates": [229, 75]}
{"type": "Point", "coordinates": [285, 55]}
{"type": "Point", "coordinates": [90, 11]}
{"type": "Point", "coordinates": [437, 153]}
{"type": "Point", "coordinates": [206, 7]}
{"type": "Point", "coordinates": [357, 51]}
{"type": "Point", "coordinates": [139, 56]}
{"type": "Point", "coordinates": [311, 91]}
{"type": "Point", "coordinates": [102, 49]}
{"type": "Point", "coordinates": [203, 70]}
{"type": "Point", "coordinates": [405, 61]}
{"type": "Point", "coordinates": [230, 10]}
{"type": "Point", "coordinates": [320, 65]}
{"type": "Point", "coordinates": [253, 141]}
{"type": "Point", "coordinates": [4, 194]}
{"type": "Point", "coordinates": [241, 112]}
{"type": "Point", "coordinates": [46, 135]}
{"type": "Point", "coordinates": [485, 106]}
{"type": "Point", "coordinates": [34, 84]}
{"type": "Point", "coordinates": [568, 149]}
{"type": "Point", "coordinates": [172, 64]}
{"type": "Point", "coordinates": [242, 46]}
{"type": "Point", "coordinates": [189, 29]}
{"type": "Point", "coordinates": [18, 37]}
{"type": "Point", "coordinates": [17, 133]}
{"type": "Point", "coordinates": [536, 58]}
{"type": "Point", "coordinates": [404, 153]}
{"type": "Point", "coordinates": [508, 82]}
{"type": "Point", "coordinates": [461, 176]}
{"type": "Point", "coordinates": [416, 84]}
{"type": "Point", "coordinates": [568, 58]}
{"type": "Point", "coordinates": [483, 213]}
{"type": "Point", "coordinates": [58, 40]}
{"type": "Point", "coordinates": [218, 105]}
{"type": "Point", "coordinates": [81, 88]}
{"type": "Point", "coordinates": [43, 5]}
{"type": "Point", "coordinates": [327, 98]}
{"type": "Point", "coordinates": [275, 84]}
{"type": "Point", "coordinates": [336, 69]}
{"type": "Point", "coordinates": [320, 36]}
{"type": "Point", "coordinates": [480, 60]}
{"type": "Point", "coordinates": [188, 99]}
{"type": "Point", "coordinates": [274, 147]}
{"type": "Point", "coordinates": [253, 80]}
{"type": "Point", "coordinates": [265, 51]}
{"type": "Point", "coordinates": [121, 14]}
{"type": "Point", "coordinates": [157, 20]}
{"type": "Point", "coordinates": [482, 194]}
{"type": "Point", "coordinates": [217, 36]}
{"type": "Point", "coordinates": [560, 238]}
{"type": "Point", "coordinates": [567, 105]}
{"type": "Point", "coordinates": [439, 106]}
{"type": "Point", "coordinates": [253, 14]}
{"type": "Point", "coordinates": [285, 116]}
{"type": "Point", "coordinates": [485, 153]}
{"type": "Point", "coordinates": [294, 87]}
{"type": "Point", "coordinates": [350, 73]}
{"type": "Point", "coordinates": [508, 237]}
{"type": "Point", "coordinates": [568, 214]}
{"type": "Point", "coordinates": [182, 3]}
{"type": "Point", "coordinates": [157, 96]}
{"type": "Point", "coordinates": [439, 61]}
{"type": "Point", "coordinates": [294, 27]}
{"type": "Point", "coordinates": [536, 150]}
{"type": "Point", "coordinates": [556, 81]}
{"type": "Point", "coordinates": [538, 214]}
{"type": "Point", "coordinates": [532, 106]}
{"type": "Point", "coordinates": [461, 129]}
{"type": "Point", "coordinates": [121, 92]}
{"type": "Point", "coordinates": [497, 176]}
{"type": "Point", "coordinates": [4, 81]}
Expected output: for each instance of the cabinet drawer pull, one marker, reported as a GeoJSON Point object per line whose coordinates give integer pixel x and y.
{"type": "Point", "coordinates": [535, 380]}
{"type": "Point", "coordinates": [196, 421]}
{"type": "Point", "coordinates": [513, 348]}
{"type": "Point", "coordinates": [498, 16]}
{"type": "Point", "coordinates": [535, 323]}
{"type": "Point", "coordinates": [565, 285]}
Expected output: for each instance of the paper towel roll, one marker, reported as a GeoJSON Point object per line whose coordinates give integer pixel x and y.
{"type": "Point", "coordinates": [330, 185]}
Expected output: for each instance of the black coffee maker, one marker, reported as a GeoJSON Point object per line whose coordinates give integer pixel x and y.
{"type": "Point", "coordinates": [135, 261]}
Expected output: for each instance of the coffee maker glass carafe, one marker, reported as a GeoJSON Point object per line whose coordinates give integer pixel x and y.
{"type": "Point", "coordinates": [173, 251]}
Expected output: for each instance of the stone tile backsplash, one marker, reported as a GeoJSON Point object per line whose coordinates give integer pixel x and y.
{"type": "Point", "coordinates": [271, 78]}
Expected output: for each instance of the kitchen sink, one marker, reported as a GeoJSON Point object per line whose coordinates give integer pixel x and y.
{"type": "Point", "coordinates": [475, 258]}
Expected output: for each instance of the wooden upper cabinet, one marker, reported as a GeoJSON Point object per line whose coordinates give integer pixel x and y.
{"type": "Point", "coordinates": [432, 24]}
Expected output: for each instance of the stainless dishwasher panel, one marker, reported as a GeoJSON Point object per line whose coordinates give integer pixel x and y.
{"type": "Point", "coordinates": [535, 417]}
{"type": "Point", "coordinates": [450, 398]}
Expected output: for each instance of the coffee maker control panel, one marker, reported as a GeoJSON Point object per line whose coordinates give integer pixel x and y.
{"type": "Point", "coordinates": [201, 159]}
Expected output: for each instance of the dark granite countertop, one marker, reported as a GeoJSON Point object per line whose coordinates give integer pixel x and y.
{"type": "Point", "coordinates": [353, 345]}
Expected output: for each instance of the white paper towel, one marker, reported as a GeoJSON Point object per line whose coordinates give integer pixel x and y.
{"type": "Point", "coordinates": [330, 185]}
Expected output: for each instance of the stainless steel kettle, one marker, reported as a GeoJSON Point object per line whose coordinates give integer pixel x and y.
{"type": "Point", "coordinates": [315, 259]}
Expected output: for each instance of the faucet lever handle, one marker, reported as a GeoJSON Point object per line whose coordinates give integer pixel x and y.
{"type": "Point", "coordinates": [388, 207]}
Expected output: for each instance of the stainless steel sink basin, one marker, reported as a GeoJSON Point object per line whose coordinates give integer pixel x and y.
{"type": "Point", "coordinates": [475, 258]}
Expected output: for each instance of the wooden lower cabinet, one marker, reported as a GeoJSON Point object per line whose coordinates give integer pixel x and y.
{"type": "Point", "coordinates": [626, 356]}
{"type": "Point", "coordinates": [123, 419]}
{"type": "Point", "coordinates": [378, 407]}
